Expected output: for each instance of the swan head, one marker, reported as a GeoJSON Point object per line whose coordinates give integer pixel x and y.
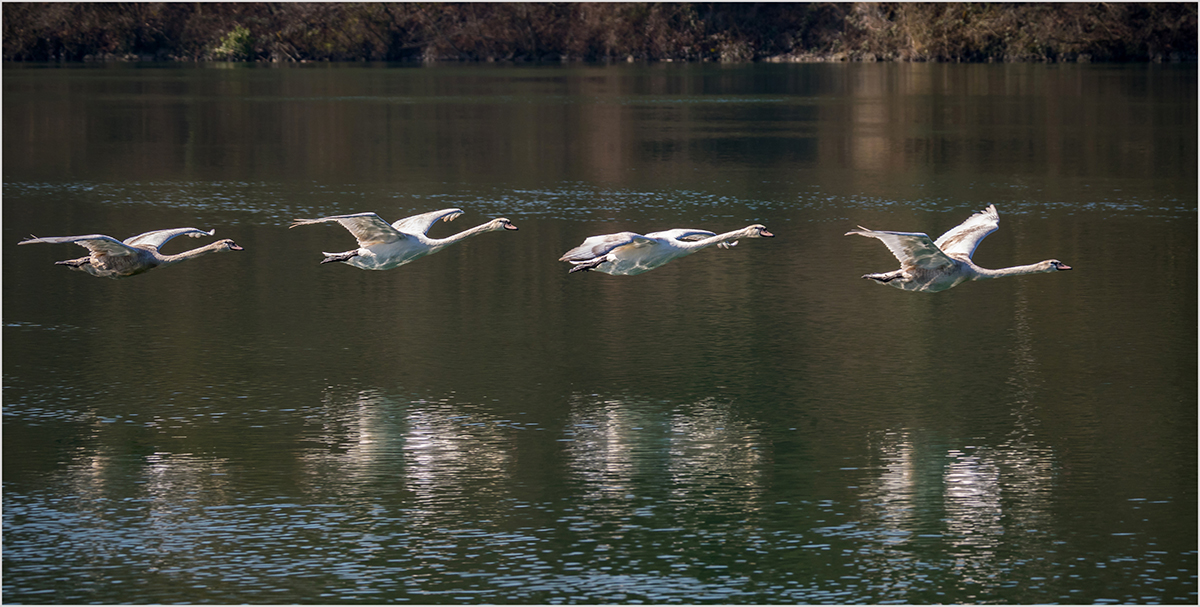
{"type": "Point", "coordinates": [501, 223]}
{"type": "Point", "coordinates": [754, 231]}
{"type": "Point", "coordinates": [1054, 265]}
{"type": "Point", "coordinates": [226, 245]}
{"type": "Point", "coordinates": [758, 231]}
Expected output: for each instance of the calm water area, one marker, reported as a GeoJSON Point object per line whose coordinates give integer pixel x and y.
{"type": "Point", "coordinates": [748, 425]}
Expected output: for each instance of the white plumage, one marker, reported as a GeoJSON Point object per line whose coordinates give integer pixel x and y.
{"type": "Point", "coordinates": [629, 253]}
{"type": "Point", "coordinates": [383, 247]}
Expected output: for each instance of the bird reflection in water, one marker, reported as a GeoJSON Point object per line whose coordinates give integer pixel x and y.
{"type": "Point", "coordinates": [621, 449]}
{"type": "Point", "coordinates": [441, 452]}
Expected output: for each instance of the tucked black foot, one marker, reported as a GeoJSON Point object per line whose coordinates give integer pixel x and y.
{"type": "Point", "coordinates": [587, 266]}
{"type": "Point", "coordinates": [883, 278]}
{"type": "Point", "coordinates": [340, 257]}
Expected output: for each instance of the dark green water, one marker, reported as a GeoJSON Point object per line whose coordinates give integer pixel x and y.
{"type": "Point", "coordinates": [753, 425]}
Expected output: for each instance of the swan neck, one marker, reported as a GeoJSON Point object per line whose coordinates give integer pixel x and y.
{"type": "Point", "coordinates": [463, 235]}
{"type": "Point", "coordinates": [190, 254]}
{"type": "Point", "coordinates": [1035, 268]}
{"type": "Point", "coordinates": [719, 238]}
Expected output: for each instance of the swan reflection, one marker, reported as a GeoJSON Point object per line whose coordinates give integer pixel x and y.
{"type": "Point", "coordinates": [700, 453]}
{"type": "Point", "coordinates": [440, 451]}
{"type": "Point", "coordinates": [978, 497]}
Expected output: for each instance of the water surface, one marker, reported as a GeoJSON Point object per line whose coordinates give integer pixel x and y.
{"type": "Point", "coordinates": [753, 425]}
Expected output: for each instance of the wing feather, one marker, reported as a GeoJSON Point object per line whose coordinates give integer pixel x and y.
{"type": "Point", "coordinates": [598, 246]}
{"type": "Point", "coordinates": [420, 224]}
{"type": "Point", "coordinates": [368, 228]}
{"type": "Point", "coordinates": [912, 249]}
{"type": "Point", "coordinates": [682, 234]}
{"type": "Point", "coordinates": [95, 243]}
{"type": "Point", "coordinates": [963, 239]}
{"type": "Point", "coordinates": [157, 238]}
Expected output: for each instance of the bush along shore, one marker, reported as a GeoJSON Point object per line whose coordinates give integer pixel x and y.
{"type": "Point", "coordinates": [736, 32]}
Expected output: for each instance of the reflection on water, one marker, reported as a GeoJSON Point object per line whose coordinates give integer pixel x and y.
{"type": "Point", "coordinates": [750, 427]}
{"type": "Point", "coordinates": [695, 454]}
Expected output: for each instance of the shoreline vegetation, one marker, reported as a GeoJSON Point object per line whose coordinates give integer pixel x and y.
{"type": "Point", "coordinates": [600, 32]}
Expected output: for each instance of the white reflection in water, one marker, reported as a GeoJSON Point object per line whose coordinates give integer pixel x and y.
{"type": "Point", "coordinates": [357, 434]}
{"type": "Point", "coordinates": [622, 449]}
{"type": "Point", "coordinates": [450, 458]}
{"type": "Point", "coordinates": [891, 496]}
{"type": "Point", "coordinates": [972, 500]}
{"type": "Point", "coordinates": [978, 499]}
{"type": "Point", "coordinates": [983, 491]}
{"type": "Point", "coordinates": [445, 453]}
{"type": "Point", "coordinates": [977, 502]}
{"type": "Point", "coordinates": [141, 503]}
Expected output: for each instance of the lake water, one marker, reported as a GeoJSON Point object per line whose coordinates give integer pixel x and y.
{"type": "Point", "coordinates": [752, 425]}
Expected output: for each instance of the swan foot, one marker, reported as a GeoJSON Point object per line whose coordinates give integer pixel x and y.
{"type": "Point", "coordinates": [587, 266]}
{"type": "Point", "coordinates": [332, 257]}
{"type": "Point", "coordinates": [883, 278]}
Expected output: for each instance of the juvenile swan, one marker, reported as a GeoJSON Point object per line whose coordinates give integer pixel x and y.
{"type": "Point", "coordinates": [111, 258]}
{"type": "Point", "coordinates": [383, 247]}
{"type": "Point", "coordinates": [628, 253]}
{"type": "Point", "coordinates": [931, 266]}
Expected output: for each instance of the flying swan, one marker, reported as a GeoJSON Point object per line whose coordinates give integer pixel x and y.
{"type": "Point", "coordinates": [111, 258]}
{"type": "Point", "coordinates": [383, 247]}
{"type": "Point", "coordinates": [930, 266]}
{"type": "Point", "coordinates": [628, 253]}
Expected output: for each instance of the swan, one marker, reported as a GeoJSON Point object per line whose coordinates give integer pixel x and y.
{"type": "Point", "coordinates": [111, 258]}
{"type": "Point", "coordinates": [383, 247]}
{"type": "Point", "coordinates": [930, 266]}
{"type": "Point", "coordinates": [629, 253]}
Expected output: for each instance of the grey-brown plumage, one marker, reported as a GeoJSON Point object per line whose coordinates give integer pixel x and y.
{"type": "Point", "coordinates": [926, 265]}
{"type": "Point", "coordinates": [111, 258]}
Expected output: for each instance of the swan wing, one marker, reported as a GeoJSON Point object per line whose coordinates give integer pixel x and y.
{"type": "Point", "coordinates": [420, 224]}
{"type": "Point", "coordinates": [682, 234]}
{"type": "Point", "coordinates": [96, 243]}
{"type": "Point", "coordinates": [368, 228]}
{"type": "Point", "coordinates": [598, 246]}
{"type": "Point", "coordinates": [158, 238]}
{"type": "Point", "coordinates": [963, 239]}
{"type": "Point", "coordinates": [912, 249]}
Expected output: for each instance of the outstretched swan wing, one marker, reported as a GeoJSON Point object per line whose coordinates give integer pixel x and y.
{"type": "Point", "coordinates": [682, 234]}
{"type": "Point", "coordinates": [963, 239]}
{"type": "Point", "coordinates": [368, 228]}
{"type": "Point", "coordinates": [598, 246]}
{"type": "Point", "coordinates": [96, 243]}
{"type": "Point", "coordinates": [913, 249]}
{"type": "Point", "coordinates": [158, 238]}
{"type": "Point", "coordinates": [420, 224]}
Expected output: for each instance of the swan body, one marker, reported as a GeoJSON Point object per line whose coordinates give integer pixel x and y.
{"type": "Point", "coordinates": [111, 258]}
{"type": "Point", "coordinates": [629, 253]}
{"type": "Point", "coordinates": [382, 246]}
{"type": "Point", "coordinates": [932, 266]}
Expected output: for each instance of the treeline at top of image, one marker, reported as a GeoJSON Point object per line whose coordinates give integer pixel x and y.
{"type": "Point", "coordinates": [734, 32]}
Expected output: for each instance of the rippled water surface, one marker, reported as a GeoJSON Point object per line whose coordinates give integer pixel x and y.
{"type": "Point", "coordinates": [752, 425]}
